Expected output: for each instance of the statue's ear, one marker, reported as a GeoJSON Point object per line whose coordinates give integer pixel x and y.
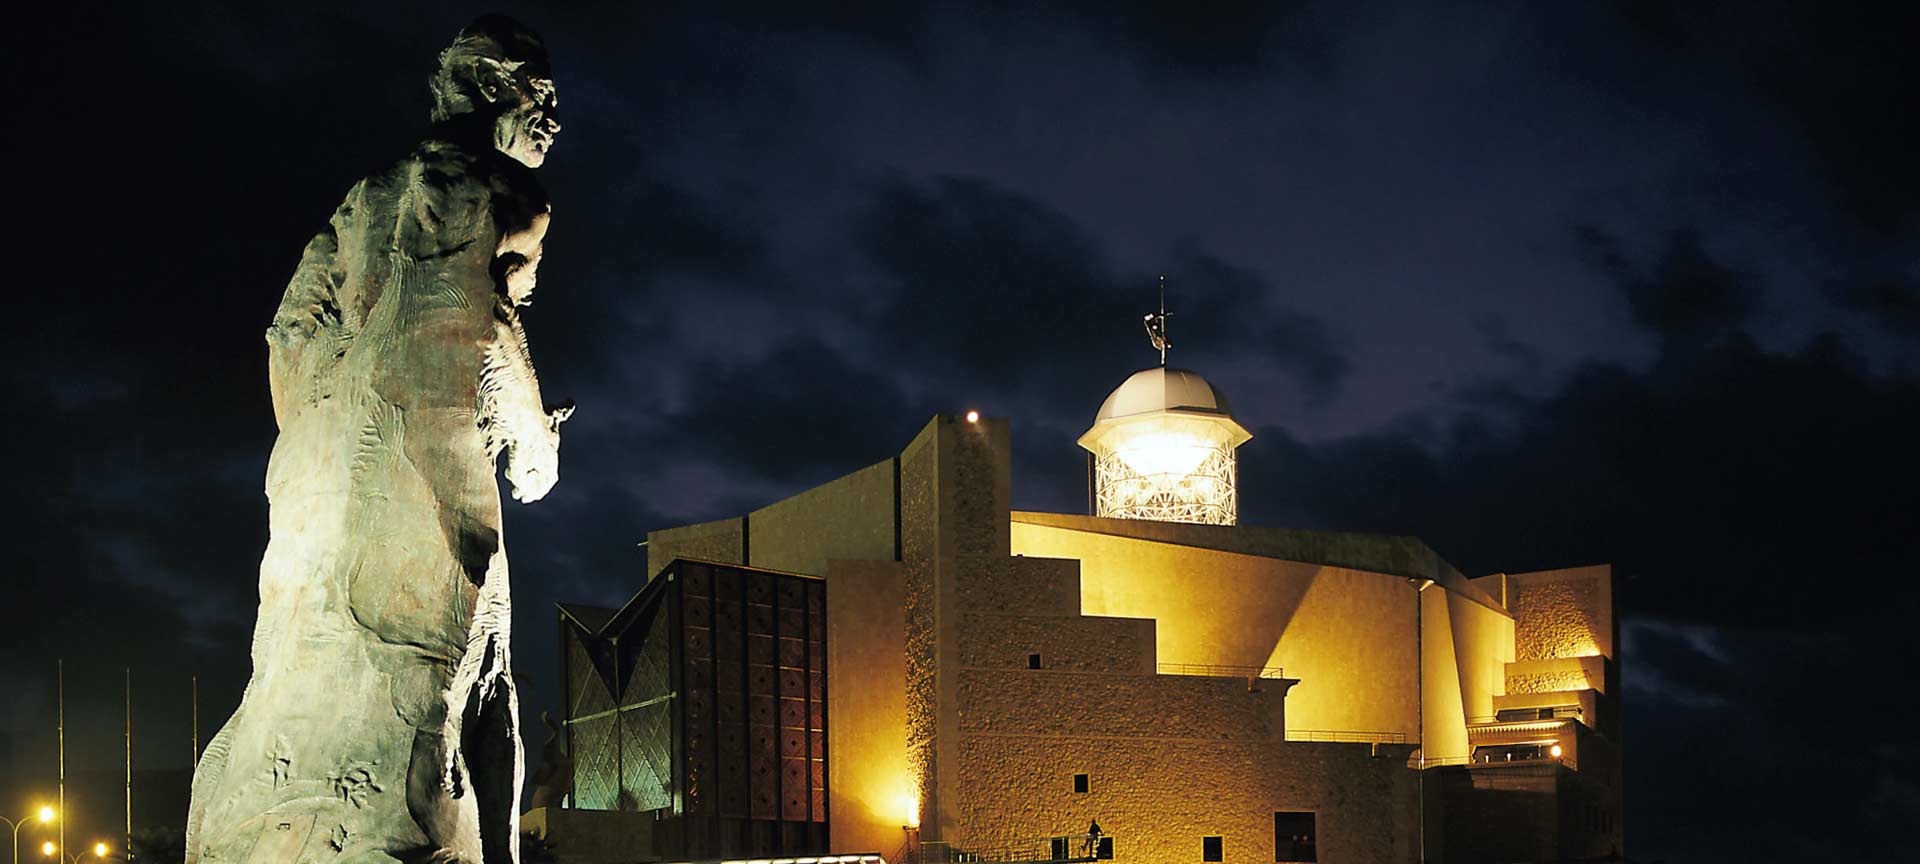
{"type": "Point", "coordinates": [489, 77]}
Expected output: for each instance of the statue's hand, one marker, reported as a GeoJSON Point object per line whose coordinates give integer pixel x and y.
{"type": "Point", "coordinates": [533, 466]}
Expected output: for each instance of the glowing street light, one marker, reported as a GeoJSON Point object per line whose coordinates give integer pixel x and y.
{"type": "Point", "coordinates": [48, 848]}
{"type": "Point", "coordinates": [44, 814]}
{"type": "Point", "coordinates": [100, 851]}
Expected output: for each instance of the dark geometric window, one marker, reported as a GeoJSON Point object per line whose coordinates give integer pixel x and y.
{"type": "Point", "coordinates": [1033, 661]}
{"type": "Point", "coordinates": [1210, 849]}
{"type": "Point", "coordinates": [1293, 837]}
{"type": "Point", "coordinates": [1080, 783]}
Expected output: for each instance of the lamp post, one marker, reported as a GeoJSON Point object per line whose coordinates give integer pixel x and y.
{"type": "Point", "coordinates": [45, 814]}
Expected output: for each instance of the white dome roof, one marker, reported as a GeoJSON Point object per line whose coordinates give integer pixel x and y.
{"type": "Point", "coordinates": [1164, 391]}
{"type": "Point", "coordinates": [1163, 388]}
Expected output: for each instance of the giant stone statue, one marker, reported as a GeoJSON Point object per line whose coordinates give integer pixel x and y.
{"type": "Point", "coordinates": [379, 724]}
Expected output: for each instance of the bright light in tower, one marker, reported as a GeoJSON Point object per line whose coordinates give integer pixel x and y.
{"type": "Point", "coordinates": [1163, 447]}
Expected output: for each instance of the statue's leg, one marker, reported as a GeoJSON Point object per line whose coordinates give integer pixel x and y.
{"type": "Point", "coordinates": [441, 800]}
{"type": "Point", "coordinates": [490, 741]}
{"type": "Point", "coordinates": [206, 780]}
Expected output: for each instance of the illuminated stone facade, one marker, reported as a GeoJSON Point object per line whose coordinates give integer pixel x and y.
{"type": "Point", "coordinates": [998, 678]}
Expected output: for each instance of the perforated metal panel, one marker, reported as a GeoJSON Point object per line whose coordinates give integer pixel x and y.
{"type": "Point", "coordinates": [705, 698]}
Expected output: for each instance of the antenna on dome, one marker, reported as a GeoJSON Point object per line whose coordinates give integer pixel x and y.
{"type": "Point", "coordinates": [1157, 323]}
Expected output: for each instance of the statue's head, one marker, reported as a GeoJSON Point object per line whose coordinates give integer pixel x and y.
{"type": "Point", "coordinates": [496, 70]}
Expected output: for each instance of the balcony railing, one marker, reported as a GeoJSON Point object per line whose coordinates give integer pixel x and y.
{"type": "Point", "coordinates": [1212, 671]}
{"type": "Point", "coordinates": [1058, 849]}
{"type": "Point", "coordinates": [1345, 736]}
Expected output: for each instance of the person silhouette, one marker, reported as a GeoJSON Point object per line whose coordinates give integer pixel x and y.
{"type": "Point", "coordinates": [1093, 839]}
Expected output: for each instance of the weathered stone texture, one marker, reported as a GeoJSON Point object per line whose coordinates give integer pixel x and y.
{"type": "Point", "coordinates": [1064, 643]}
{"type": "Point", "coordinates": [1018, 586]}
{"type": "Point", "coordinates": [1073, 703]}
{"type": "Point", "coordinates": [380, 722]}
{"type": "Point", "coordinates": [1557, 674]}
{"type": "Point", "coordinates": [1159, 797]}
{"type": "Point", "coordinates": [850, 518]}
{"type": "Point", "coordinates": [720, 541]}
{"type": "Point", "coordinates": [918, 538]}
{"type": "Point", "coordinates": [1559, 618]}
{"type": "Point", "coordinates": [979, 479]}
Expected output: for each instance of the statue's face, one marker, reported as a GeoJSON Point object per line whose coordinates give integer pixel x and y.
{"type": "Point", "coordinates": [528, 118]}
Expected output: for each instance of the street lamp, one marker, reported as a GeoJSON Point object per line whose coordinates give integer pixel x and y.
{"type": "Point", "coordinates": [45, 814]}
{"type": "Point", "coordinates": [99, 851]}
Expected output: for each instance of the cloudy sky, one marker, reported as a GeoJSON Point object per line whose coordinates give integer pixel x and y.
{"type": "Point", "coordinates": [1628, 282]}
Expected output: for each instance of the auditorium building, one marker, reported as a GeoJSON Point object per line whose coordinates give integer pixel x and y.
{"type": "Point", "coordinates": [898, 666]}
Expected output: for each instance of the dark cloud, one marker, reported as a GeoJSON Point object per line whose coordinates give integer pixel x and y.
{"type": "Point", "coordinates": [1685, 294]}
{"type": "Point", "coordinates": [1021, 292]}
{"type": "Point", "coordinates": [796, 417]}
{"type": "Point", "coordinates": [1888, 302]}
{"type": "Point", "coordinates": [1499, 337]}
{"type": "Point", "coordinates": [1230, 40]}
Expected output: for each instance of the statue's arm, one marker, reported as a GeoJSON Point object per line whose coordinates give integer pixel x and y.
{"type": "Point", "coordinates": [511, 409]}
{"type": "Point", "coordinates": [310, 304]}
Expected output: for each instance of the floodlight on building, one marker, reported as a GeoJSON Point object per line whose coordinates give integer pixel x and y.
{"type": "Point", "coordinates": [973, 416]}
{"type": "Point", "coordinates": [1555, 751]}
{"type": "Point", "coordinates": [909, 811]}
{"type": "Point", "coordinates": [1163, 448]}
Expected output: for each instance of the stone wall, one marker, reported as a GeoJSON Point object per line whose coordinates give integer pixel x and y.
{"type": "Point", "coordinates": [1159, 797]}
{"type": "Point", "coordinates": [1557, 674]}
{"type": "Point", "coordinates": [1071, 643]}
{"type": "Point", "coordinates": [1562, 613]}
{"type": "Point", "coordinates": [1349, 636]}
{"type": "Point", "coordinates": [873, 788]}
{"type": "Point", "coordinates": [851, 518]}
{"type": "Point", "coordinates": [1017, 585]}
{"type": "Point", "coordinates": [919, 533]}
{"type": "Point", "coordinates": [721, 541]}
{"type": "Point", "coordinates": [1083, 703]}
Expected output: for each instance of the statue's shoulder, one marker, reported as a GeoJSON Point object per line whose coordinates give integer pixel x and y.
{"type": "Point", "coordinates": [479, 176]}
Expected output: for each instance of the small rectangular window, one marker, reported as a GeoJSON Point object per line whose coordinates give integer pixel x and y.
{"type": "Point", "coordinates": [1210, 849]}
{"type": "Point", "coordinates": [1080, 783]}
{"type": "Point", "coordinates": [1033, 661]}
{"type": "Point", "coordinates": [1293, 839]}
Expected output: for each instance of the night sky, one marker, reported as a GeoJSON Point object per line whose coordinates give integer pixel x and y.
{"type": "Point", "coordinates": [1628, 282]}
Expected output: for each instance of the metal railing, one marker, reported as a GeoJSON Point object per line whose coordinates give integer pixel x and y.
{"type": "Point", "coordinates": [1057, 849]}
{"type": "Point", "coordinates": [1344, 736]}
{"type": "Point", "coordinates": [1438, 761]}
{"type": "Point", "coordinates": [1208, 670]}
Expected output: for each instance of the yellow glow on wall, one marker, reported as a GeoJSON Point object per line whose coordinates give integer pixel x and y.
{"type": "Point", "coordinates": [909, 809]}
